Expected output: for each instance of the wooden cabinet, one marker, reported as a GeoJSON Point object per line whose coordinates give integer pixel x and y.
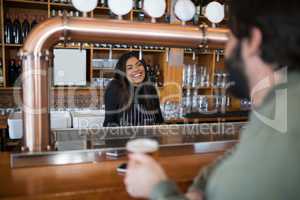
{"type": "Point", "coordinates": [171, 72]}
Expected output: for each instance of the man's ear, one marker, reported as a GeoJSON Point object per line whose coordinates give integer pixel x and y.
{"type": "Point", "coordinates": [251, 46]}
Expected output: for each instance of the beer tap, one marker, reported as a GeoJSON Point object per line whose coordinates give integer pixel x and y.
{"type": "Point", "coordinates": [215, 13]}
{"type": "Point", "coordinates": [120, 7]}
{"type": "Point", "coordinates": [155, 8]}
{"type": "Point", "coordinates": [185, 10]}
{"type": "Point", "coordinates": [85, 6]}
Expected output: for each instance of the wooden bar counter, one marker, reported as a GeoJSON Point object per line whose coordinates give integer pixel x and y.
{"type": "Point", "coordinates": [100, 180]}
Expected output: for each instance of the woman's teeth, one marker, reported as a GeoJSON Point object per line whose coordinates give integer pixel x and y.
{"type": "Point", "coordinates": [137, 75]}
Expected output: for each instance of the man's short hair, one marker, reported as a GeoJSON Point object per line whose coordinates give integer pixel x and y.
{"type": "Point", "coordinates": [279, 23]}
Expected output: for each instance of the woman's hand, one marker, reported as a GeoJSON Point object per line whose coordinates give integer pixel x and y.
{"type": "Point", "coordinates": [143, 173]}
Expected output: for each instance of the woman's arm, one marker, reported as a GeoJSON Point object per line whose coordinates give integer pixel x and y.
{"type": "Point", "coordinates": [158, 116]}
{"type": "Point", "coordinates": [112, 104]}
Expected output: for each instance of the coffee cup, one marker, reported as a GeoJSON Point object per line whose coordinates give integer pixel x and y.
{"type": "Point", "coordinates": [143, 146]}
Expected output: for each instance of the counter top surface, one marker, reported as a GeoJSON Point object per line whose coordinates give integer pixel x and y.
{"type": "Point", "coordinates": [97, 180]}
{"type": "Point", "coordinates": [232, 116]}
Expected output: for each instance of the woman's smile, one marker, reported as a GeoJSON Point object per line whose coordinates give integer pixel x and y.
{"type": "Point", "coordinates": [135, 71]}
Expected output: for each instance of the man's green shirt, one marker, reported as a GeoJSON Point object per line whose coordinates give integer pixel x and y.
{"type": "Point", "coordinates": [265, 165]}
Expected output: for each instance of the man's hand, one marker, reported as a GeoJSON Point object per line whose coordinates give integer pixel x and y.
{"type": "Point", "coordinates": [143, 173]}
{"type": "Point", "coordinates": [194, 195]}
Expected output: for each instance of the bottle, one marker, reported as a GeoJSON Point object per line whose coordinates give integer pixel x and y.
{"type": "Point", "coordinates": [194, 76]}
{"type": "Point", "coordinates": [8, 30]}
{"type": "Point", "coordinates": [199, 6]}
{"type": "Point", "coordinates": [117, 46]}
{"type": "Point", "coordinates": [77, 14]}
{"type": "Point", "coordinates": [53, 13]}
{"type": "Point", "coordinates": [1, 73]}
{"type": "Point", "coordinates": [33, 23]}
{"type": "Point", "coordinates": [151, 73]}
{"type": "Point", "coordinates": [198, 13]}
{"type": "Point", "coordinates": [71, 14]}
{"type": "Point", "coordinates": [139, 4]}
{"type": "Point", "coordinates": [184, 70]}
{"type": "Point", "coordinates": [159, 81]}
{"type": "Point", "coordinates": [188, 76]}
{"type": "Point", "coordinates": [203, 6]}
{"type": "Point", "coordinates": [188, 101]}
{"type": "Point", "coordinates": [11, 73]}
{"type": "Point", "coordinates": [25, 27]}
{"type": "Point", "coordinates": [148, 68]}
{"type": "Point", "coordinates": [167, 18]}
{"type": "Point", "coordinates": [60, 13]}
{"type": "Point", "coordinates": [18, 72]}
{"type": "Point", "coordinates": [195, 101]}
{"type": "Point", "coordinates": [17, 32]}
{"type": "Point", "coordinates": [103, 3]}
{"type": "Point", "coordinates": [41, 18]}
{"type": "Point", "coordinates": [111, 15]}
{"type": "Point", "coordinates": [141, 16]}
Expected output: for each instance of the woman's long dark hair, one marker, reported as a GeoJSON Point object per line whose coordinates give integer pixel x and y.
{"type": "Point", "coordinates": [145, 90]}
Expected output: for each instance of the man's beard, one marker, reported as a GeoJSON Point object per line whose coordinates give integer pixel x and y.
{"type": "Point", "coordinates": [239, 85]}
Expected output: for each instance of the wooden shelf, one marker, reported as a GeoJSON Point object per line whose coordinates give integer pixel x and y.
{"type": "Point", "coordinates": [202, 17]}
{"type": "Point", "coordinates": [57, 88]}
{"type": "Point", "coordinates": [196, 88]}
{"type": "Point", "coordinates": [108, 70]}
{"type": "Point", "coordinates": [70, 47]}
{"type": "Point", "coordinates": [26, 2]}
{"type": "Point", "coordinates": [202, 88]}
{"type": "Point", "coordinates": [101, 8]}
{"type": "Point", "coordinates": [114, 49]}
{"type": "Point", "coordinates": [209, 52]}
{"type": "Point", "coordinates": [10, 88]}
{"type": "Point", "coordinates": [62, 5]}
{"type": "Point", "coordinates": [107, 49]}
{"type": "Point", "coordinates": [13, 45]}
{"type": "Point", "coordinates": [75, 88]}
{"type": "Point", "coordinates": [150, 50]}
{"type": "Point", "coordinates": [197, 53]}
{"type": "Point", "coordinates": [129, 49]}
{"type": "Point", "coordinates": [147, 19]}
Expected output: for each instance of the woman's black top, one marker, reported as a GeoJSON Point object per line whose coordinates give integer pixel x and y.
{"type": "Point", "coordinates": [136, 112]}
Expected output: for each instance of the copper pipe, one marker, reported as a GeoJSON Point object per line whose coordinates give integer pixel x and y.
{"type": "Point", "coordinates": [44, 36]}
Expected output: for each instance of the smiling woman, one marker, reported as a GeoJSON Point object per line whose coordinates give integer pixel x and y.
{"type": "Point", "coordinates": [135, 71]}
{"type": "Point", "coordinates": [130, 99]}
